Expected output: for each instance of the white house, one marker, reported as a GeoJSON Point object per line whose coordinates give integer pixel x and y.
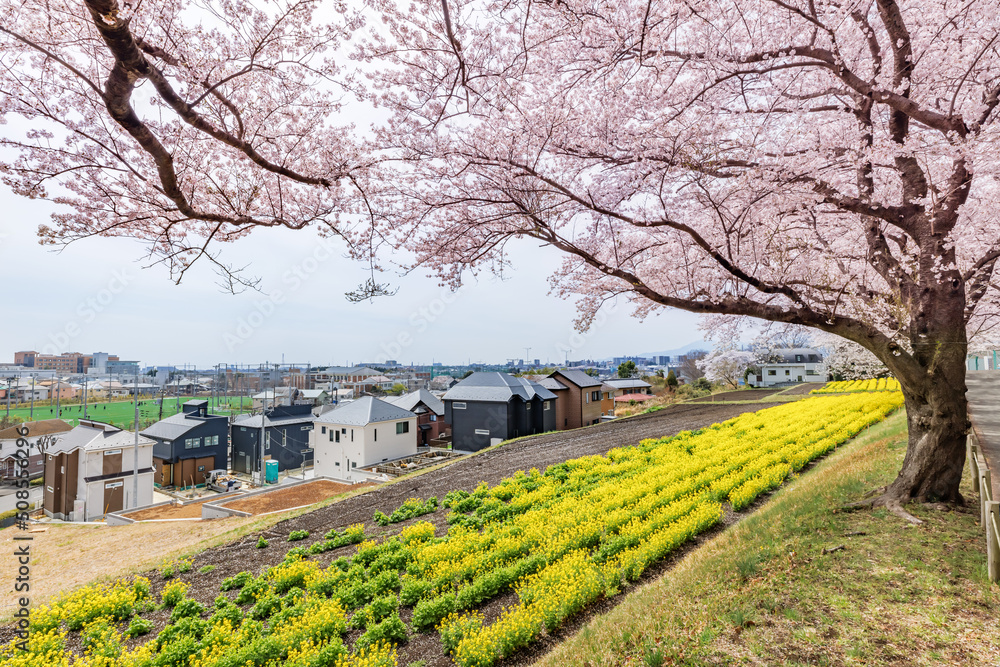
{"type": "Point", "coordinates": [797, 364]}
{"type": "Point", "coordinates": [89, 472]}
{"type": "Point", "coordinates": [359, 434]}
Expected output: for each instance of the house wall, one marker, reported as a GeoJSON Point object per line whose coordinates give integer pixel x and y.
{"type": "Point", "coordinates": [174, 451]}
{"type": "Point", "coordinates": [815, 372]}
{"type": "Point", "coordinates": [360, 447]}
{"type": "Point", "coordinates": [608, 403]}
{"type": "Point", "coordinates": [285, 444]}
{"type": "Point", "coordinates": [478, 415]}
{"type": "Point", "coordinates": [561, 416]}
{"type": "Point", "coordinates": [101, 495]}
{"type": "Point", "coordinates": [60, 484]}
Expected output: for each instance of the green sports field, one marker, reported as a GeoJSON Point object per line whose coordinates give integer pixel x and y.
{"type": "Point", "coordinates": [122, 413]}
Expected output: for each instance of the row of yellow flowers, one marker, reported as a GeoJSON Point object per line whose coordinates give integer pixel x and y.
{"type": "Point", "coordinates": [847, 386]}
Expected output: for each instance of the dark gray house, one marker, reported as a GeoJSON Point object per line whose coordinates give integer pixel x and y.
{"type": "Point", "coordinates": [487, 408]}
{"type": "Point", "coordinates": [188, 445]}
{"type": "Point", "coordinates": [287, 440]}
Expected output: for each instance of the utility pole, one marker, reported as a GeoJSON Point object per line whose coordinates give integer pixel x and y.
{"type": "Point", "coordinates": [84, 396]}
{"type": "Point", "coordinates": [135, 427]}
{"type": "Point", "coordinates": [58, 396]}
{"type": "Point", "coordinates": [31, 414]}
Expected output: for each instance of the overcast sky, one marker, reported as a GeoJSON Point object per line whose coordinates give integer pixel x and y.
{"type": "Point", "coordinates": [96, 296]}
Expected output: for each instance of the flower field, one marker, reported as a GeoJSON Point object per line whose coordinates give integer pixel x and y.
{"type": "Point", "coordinates": [852, 386]}
{"type": "Point", "coordinates": [558, 540]}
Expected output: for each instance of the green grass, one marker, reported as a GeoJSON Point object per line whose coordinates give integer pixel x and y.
{"type": "Point", "coordinates": [122, 413]}
{"type": "Point", "coordinates": [764, 593]}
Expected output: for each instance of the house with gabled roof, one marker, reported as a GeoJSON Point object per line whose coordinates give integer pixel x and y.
{"type": "Point", "coordinates": [188, 445]}
{"type": "Point", "coordinates": [487, 408]}
{"type": "Point", "coordinates": [359, 434]}
{"type": "Point", "coordinates": [429, 410]}
{"type": "Point", "coordinates": [580, 404]}
{"type": "Point", "coordinates": [38, 436]}
{"type": "Point", "coordinates": [90, 471]}
{"type": "Point", "coordinates": [286, 438]}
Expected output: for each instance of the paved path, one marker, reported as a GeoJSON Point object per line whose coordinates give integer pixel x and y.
{"type": "Point", "coordinates": [984, 411]}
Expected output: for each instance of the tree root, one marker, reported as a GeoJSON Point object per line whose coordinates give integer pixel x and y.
{"type": "Point", "coordinates": [890, 503]}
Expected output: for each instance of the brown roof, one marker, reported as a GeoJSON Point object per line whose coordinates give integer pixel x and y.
{"type": "Point", "coordinates": [43, 427]}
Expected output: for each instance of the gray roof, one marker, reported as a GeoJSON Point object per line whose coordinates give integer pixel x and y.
{"type": "Point", "coordinates": [579, 378]}
{"type": "Point", "coordinates": [174, 427]}
{"type": "Point", "coordinates": [366, 410]}
{"type": "Point", "coordinates": [628, 383]}
{"type": "Point", "coordinates": [808, 354]}
{"type": "Point", "coordinates": [552, 384]}
{"type": "Point", "coordinates": [415, 398]}
{"type": "Point", "coordinates": [92, 436]}
{"type": "Point", "coordinates": [254, 420]}
{"type": "Point", "coordinates": [496, 388]}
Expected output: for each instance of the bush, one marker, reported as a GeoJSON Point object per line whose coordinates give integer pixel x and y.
{"type": "Point", "coordinates": [261, 543]}
{"type": "Point", "coordinates": [173, 593]}
{"type": "Point", "coordinates": [236, 581]}
{"type": "Point", "coordinates": [167, 572]}
{"type": "Point", "coordinates": [184, 566]}
{"type": "Point", "coordinates": [139, 626]}
{"type": "Point", "coordinates": [185, 608]}
{"type": "Point", "coordinates": [297, 535]}
{"type": "Point", "coordinates": [392, 631]}
{"type": "Point", "coordinates": [428, 613]}
{"type": "Point", "coordinates": [413, 590]}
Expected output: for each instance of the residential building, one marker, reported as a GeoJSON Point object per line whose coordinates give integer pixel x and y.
{"type": "Point", "coordinates": [41, 435]}
{"type": "Point", "coordinates": [442, 383]}
{"type": "Point", "coordinates": [89, 472]}
{"type": "Point", "coordinates": [286, 441]}
{"type": "Point", "coordinates": [798, 364]}
{"type": "Point", "coordinates": [607, 400]}
{"type": "Point", "coordinates": [629, 386]}
{"type": "Point", "coordinates": [359, 434]}
{"type": "Point", "coordinates": [487, 408]}
{"type": "Point", "coordinates": [429, 410]}
{"type": "Point", "coordinates": [580, 404]}
{"type": "Point", "coordinates": [188, 445]}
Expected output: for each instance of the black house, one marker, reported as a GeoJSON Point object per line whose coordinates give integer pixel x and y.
{"type": "Point", "coordinates": [487, 408]}
{"type": "Point", "coordinates": [287, 440]}
{"type": "Point", "coordinates": [188, 445]}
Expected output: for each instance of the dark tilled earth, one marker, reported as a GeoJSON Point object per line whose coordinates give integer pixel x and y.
{"type": "Point", "coordinates": [490, 467]}
{"type": "Point", "coordinates": [743, 395]}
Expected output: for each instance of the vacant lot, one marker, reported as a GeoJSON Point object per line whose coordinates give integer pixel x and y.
{"type": "Point", "coordinates": [294, 496]}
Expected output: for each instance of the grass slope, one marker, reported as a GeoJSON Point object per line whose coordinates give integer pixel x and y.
{"type": "Point", "coordinates": [764, 593]}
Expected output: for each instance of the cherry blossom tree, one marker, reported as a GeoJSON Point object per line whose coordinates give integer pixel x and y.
{"type": "Point", "coordinates": [826, 164]}
{"type": "Point", "coordinates": [849, 361]}
{"type": "Point", "coordinates": [727, 366]}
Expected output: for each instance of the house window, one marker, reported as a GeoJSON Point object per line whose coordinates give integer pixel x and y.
{"type": "Point", "coordinates": [376, 434]}
{"type": "Point", "coordinates": [772, 372]}
{"type": "Point", "coordinates": [323, 430]}
{"type": "Point", "coordinates": [482, 431]}
{"type": "Point", "coordinates": [798, 357]}
{"type": "Point", "coordinates": [402, 427]}
{"type": "Point", "coordinates": [434, 418]}
{"type": "Point", "coordinates": [344, 431]}
{"type": "Point", "coordinates": [243, 428]}
{"type": "Point", "coordinates": [352, 435]}
{"type": "Point", "coordinates": [586, 398]}
{"type": "Point", "coordinates": [458, 406]}
{"type": "Point", "coordinates": [201, 468]}
{"type": "Point", "coordinates": [547, 405]}
{"type": "Point", "coordinates": [337, 464]}
{"type": "Point", "coordinates": [811, 372]}
{"type": "Point", "coordinates": [337, 434]}
{"type": "Point", "coordinates": [192, 443]}
{"type": "Point", "coordinates": [787, 372]}
{"type": "Point", "coordinates": [595, 395]}
{"type": "Point", "coordinates": [527, 406]}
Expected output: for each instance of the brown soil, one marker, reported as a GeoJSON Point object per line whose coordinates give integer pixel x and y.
{"type": "Point", "coordinates": [185, 511]}
{"type": "Point", "coordinates": [295, 496]}
{"type": "Point", "coordinates": [743, 395]}
{"type": "Point", "coordinates": [804, 388]}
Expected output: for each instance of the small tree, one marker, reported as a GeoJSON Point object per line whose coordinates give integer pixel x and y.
{"type": "Point", "coordinates": [397, 389]}
{"type": "Point", "coordinates": [626, 369]}
{"type": "Point", "coordinates": [672, 380]}
{"type": "Point", "coordinates": [727, 366]}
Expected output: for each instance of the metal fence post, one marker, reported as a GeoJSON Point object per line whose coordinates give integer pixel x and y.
{"type": "Point", "coordinates": [993, 540]}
